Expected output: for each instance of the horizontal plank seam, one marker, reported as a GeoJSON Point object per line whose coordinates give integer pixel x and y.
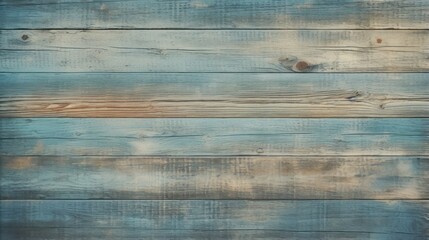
{"type": "Point", "coordinates": [216, 199]}
{"type": "Point", "coordinates": [162, 117]}
{"type": "Point", "coordinates": [202, 200]}
{"type": "Point", "coordinates": [226, 73]}
{"type": "Point", "coordinates": [223, 156]}
{"type": "Point", "coordinates": [250, 72]}
{"type": "Point", "coordinates": [217, 156]}
{"type": "Point", "coordinates": [218, 230]}
{"type": "Point", "coordinates": [225, 29]}
{"type": "Point", "coordinates": [213, 118]}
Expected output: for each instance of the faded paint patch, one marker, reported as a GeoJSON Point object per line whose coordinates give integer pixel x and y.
{"type": "Point", "coordinates": [143, 147]}
{"type": "Point", "coordinates": [20, 163]}
{"type": "Point", "coordinates": [104, 7]}
{"type": "Point", "coordinates": [199, 4]}
{"type": "Point", "coordinates": [405, 169]}
{"type": "Point", "coordinates": [38, 148]}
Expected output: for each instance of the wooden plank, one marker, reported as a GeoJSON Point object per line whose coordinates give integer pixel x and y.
{"type": "Point", "coordinates": [214, 178]}
{"type": "Point", "coordinates": [214, 51]}
{"type": "Point", "coordinates": [208, 136]}
{"type": "Point", "coordinates": [290, 14]}
{"type": "Point", "coordinates": [213, 95]}
{"type": "Point", "coordinates": [118, 233]}
{"type": "Point", "coordinates": [380, 217]}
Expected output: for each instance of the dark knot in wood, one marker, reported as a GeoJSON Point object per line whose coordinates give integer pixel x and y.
{"type": "Point", "coordinates": [301, 65]}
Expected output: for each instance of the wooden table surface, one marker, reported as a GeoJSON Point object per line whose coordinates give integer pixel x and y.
{"type": "Point", "coordinates": [214, 119]}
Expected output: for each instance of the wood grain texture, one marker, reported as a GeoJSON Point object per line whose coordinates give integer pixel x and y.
{"type": "Point", "coordinates": [214, 51]}
{"type": "Point", "coordinates": [290, 14]}
{"type": "Point", "coordinates": [205, 136]}
{"type": "Point", "coordinates": [191, 119]}
{"type": "Point", "coordinates": [407, 218]}
{"type": "Point", "coordinates": [118, 233]}
{"type": "Point", "coordinates": [213, 95]}
{"type": "Point", "coordinates": [214, 177]}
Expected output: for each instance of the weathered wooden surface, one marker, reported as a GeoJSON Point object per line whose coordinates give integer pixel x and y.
{"type": "Point", "coordinates": [214, 51]}
{"type": "Point", "coordinates": [214, 95]}
{"type": "Point", "coordinates": [346, 159]}
{"type": "Point", "coordinates": [214, 177]}
{"type": "Point", "coordinates": [279, 14]}
{"type": "Point", "coordinates": [408, 218]}
{"type": "Point", "coordinates": [205, 136]}
{"type": "Point", "coordinates": [133, 233]}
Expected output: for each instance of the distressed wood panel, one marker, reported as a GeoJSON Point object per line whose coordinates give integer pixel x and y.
{"type": "Point", "coordinates": [280, 14]}
{"type": "Point", "coordinates": [361, 176]}
{"type": "Point", "coordinates": [213, 95]}
{"type": "Point", "coordinates": [118, 233]}
{"type": "Point", "coordinates": [214, 178]}
{"type": "Point", "coordinates": [362, 217]}
{"type": "Point", "coordinates": [214, 51]}
{"type": "Point", "coordinates": [205, 136]}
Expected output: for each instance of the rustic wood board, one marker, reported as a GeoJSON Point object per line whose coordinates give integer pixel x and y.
{"type": "Point", "coordinates": [214, 51]}
{"type": "Point", "coordinates": [133, 233]}
{"type": "Point", "coordinates": [232, 178]}
{"type": "Point", "coordinates": [213, 95]}
{"type": "Point", "coordinates": [192, 119]}
{"type": "Point", "coordinates": [209, 136]}
{"type": "Point", "coordinates": [405, 218]}
{"type": "Point", "coordinates": [219, 14]}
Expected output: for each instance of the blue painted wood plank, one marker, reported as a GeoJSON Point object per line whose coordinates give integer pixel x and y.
{"type": "Point", "coordinates": [278, 14]}
{"type": "Point", "coordinates": [213, 95]}
{"type": "Point", "coordinates": [118, 233]}
{"type": "Point", "coordinates": [214, 51]}
{"type": "Point", "coordinates": [205, 136]}
{"type": "Point", "coordinates": [408, 218]}
{"type": "Point", "coordinates": [265, 178]}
